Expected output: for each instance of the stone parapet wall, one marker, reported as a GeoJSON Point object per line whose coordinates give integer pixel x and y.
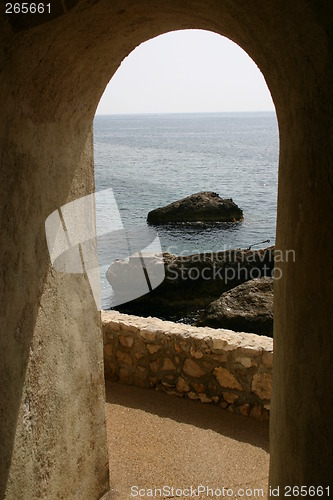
{"type": "Point", "coordinates": [221, 367]}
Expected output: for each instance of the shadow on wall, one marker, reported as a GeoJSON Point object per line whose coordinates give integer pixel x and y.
{"type": "Point", "coordinates": [15, 358]}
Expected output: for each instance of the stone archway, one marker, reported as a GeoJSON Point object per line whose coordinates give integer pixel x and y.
{"type": "Point", "coordinates": [53, 74]}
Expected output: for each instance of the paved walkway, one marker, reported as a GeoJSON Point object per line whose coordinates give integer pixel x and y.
{"type": "Point", "coordinates": [157, 441]}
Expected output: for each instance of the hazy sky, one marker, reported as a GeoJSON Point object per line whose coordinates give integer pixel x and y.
{"type": "Point", "coordinates": [186, 71]}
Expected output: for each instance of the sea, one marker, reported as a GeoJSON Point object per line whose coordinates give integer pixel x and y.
{"type": "Point", "coordinates": [150, 160]}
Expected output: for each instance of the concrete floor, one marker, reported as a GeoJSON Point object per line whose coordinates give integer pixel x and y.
{"type": "Point", "coordinates": [157, 441]}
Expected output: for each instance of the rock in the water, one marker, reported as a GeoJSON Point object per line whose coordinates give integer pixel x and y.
{"type": "Point", "coordinates": [200, 207]}
{"type": "Point", "coordinates": [191, 282]}
{"type": "Point", "coordinates": [245, 308]}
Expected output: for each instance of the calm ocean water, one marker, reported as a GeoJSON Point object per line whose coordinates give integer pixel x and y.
{"type": "Point", "coordinates": [152, 160]}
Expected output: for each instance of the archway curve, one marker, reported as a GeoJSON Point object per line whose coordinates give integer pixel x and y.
{"type": "Point", "coordinates": [71, 59]}
{"type": "Point", "coordinates": [186, 71]}
{"type": "Point", "coordinates": [191, 27]}
{"type": "Point", "coordinates": [261, 36]}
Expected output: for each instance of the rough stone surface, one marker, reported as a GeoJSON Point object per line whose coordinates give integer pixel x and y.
{"type": "Point", "coordinates": [153, 348]}
{"type": "Point", "coordinates": [227, 379]}
{"type": "Point", "coordinates": [124, 358]}
{"type": "Point", "coordinates": [192, 369]}
{"type": "Point", "coordinates": [200, 207]}
{"type": "Point", "coordinates": [180, 360]}
{"type": "Point", "coordinates": [245, 409]}
{"type": "Point", "coordinates": [230, 397]}
{"type": "Point", "coordinates": [126, 341]}
{"type": "Point", "coordinates": [192, 282]}
{"type": "Point", "coordinates": [262, 385]}
{"type": "Point", "coordinates": [246, 308]}
{"type": "Point", "coordinates": [204, 398]}
{"type": "Point", "coordinates": [247, 362]}
{"type": "Point", "coordinates": [267, 359]}
{"type": "Point", "coordinates": [195, 353]}
{"type": "Point", "coordinates": [182, 385]}
{"type": "Point", "coordinates": [168, 365]}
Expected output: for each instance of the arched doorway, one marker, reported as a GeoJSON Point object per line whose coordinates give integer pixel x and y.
{"type": "Point", "coordinates": [173, 122]}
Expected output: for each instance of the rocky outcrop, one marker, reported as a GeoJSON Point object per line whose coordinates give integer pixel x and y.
{"type": "Point", "coordinates": [191, 282]}
{"type": "Point", "coordinates": [205, 207]}
{"type": "Point", "coordinates": [245, 308]}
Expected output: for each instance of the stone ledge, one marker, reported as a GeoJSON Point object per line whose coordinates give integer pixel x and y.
{"type": "Point", "coordinates": [222, 367]}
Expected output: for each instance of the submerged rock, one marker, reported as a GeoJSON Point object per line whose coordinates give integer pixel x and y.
{"type": "Point", "coordinates": [200, 207]}
{"type": "Point", "coordinates": [246, 308]}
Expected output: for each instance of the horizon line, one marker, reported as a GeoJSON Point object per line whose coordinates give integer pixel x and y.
{"type": "Point", "coordinates": [184, 112]}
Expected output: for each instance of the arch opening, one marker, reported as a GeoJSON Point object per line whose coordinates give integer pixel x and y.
{"type": "Point", "coordinates": [160, 144]}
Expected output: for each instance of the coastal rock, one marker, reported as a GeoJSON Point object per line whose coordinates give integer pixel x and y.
{"type": "Point", "coordinates": [200, 207]}
{"type": "Point", "coordinates": [246, 308]}
{"type": "Point", "coordinates": [191, 282]}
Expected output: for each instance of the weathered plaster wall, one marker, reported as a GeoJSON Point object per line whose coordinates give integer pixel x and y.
{"type": "Point", "coordinates": [52, 396]}
{"type": "Point", "coordinates": [52, 76]}
{"type": "Point", "coordinates": [225, 368]}
{"type": "Point", "coordinates": [53, 439]}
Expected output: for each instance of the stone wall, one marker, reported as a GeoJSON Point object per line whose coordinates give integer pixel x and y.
{"type": "Point", "coordinates": [225, 368]}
